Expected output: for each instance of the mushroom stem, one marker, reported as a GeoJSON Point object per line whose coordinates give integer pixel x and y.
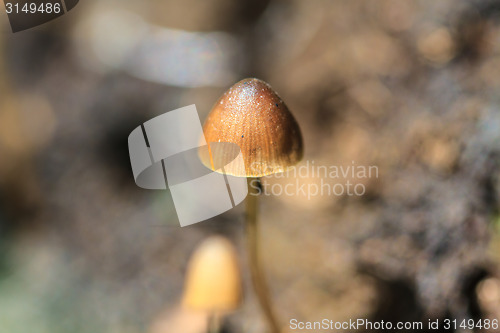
{"type": "Point", "coordinates": [213, 323]}
{"type": "Point", "coordinates": [258, 280]}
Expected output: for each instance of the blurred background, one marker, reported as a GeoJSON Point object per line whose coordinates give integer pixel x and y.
{"type": "Point", "coordinates": [409, 86]}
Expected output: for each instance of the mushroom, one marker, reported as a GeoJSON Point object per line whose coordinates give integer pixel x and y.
{"type": "Point", "coordinates": [253, 116]}
{"type": "Point", "coordinates": [213, 280]}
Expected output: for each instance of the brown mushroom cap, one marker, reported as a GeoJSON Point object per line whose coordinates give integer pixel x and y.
{"type": "Point", "coordinates": [253, 116]}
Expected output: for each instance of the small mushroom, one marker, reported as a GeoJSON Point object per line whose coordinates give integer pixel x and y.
{"type": "Point", "coordinates": [253, 116]}
{"type": "Point", "coordinates": [213, 280]}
